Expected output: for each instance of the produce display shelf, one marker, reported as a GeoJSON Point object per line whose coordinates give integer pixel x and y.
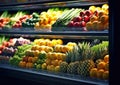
{"type": "Point", "coordinates": [50, 77]}
{"type": "Point", "coordinates": [48, 5]}
{"type": "Point", "coordinates": [59, 34]}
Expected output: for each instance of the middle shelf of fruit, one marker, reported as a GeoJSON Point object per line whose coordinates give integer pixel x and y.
{"type": "Point", "coordinates": [81, 58]}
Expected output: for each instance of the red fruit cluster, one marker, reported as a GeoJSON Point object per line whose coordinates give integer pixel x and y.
{"type": "Point", "coordinates": [81, 20]}
{"type": "Point", "coordinates": [5, 44]}
{"type": "Point", "coordinates": [18, 24]}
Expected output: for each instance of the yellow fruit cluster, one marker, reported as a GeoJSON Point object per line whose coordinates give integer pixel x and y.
{"type": "Point", "coordinates": [102, 69]}
{"type": "Point", "coordinates": [99, 21]}
{"type": "Point", "coordinates": [48, 42]}
{"type": "Point", "coordinates": [47, 19]}
{"type": "Point", "coordinates": [64, 48]}
{"type": "Point", "coordinates": [42, 48]}
{"type": "Point", "coordinates": [53, 61]}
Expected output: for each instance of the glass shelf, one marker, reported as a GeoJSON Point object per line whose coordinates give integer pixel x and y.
{"type": "Point", "coordinates": [37, 76]}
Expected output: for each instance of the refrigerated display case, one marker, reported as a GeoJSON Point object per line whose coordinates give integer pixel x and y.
{"type": "Point", "coordinates": [55, 40]}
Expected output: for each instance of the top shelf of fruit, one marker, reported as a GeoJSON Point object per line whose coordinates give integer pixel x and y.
{"type": "Point", "coordinates": [95, 18]}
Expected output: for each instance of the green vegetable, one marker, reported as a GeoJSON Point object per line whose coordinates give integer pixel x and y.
{"type": "Point", "coordinates": [35, 15]}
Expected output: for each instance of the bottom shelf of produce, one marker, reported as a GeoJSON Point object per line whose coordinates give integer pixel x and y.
{"type": "Point", "coordinates": [47, 77]}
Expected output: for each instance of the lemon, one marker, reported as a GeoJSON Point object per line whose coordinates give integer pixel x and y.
{"type": "Point", "coordinates": [105, 7]}
{"type": "Point", "coordinates": [92, 8]}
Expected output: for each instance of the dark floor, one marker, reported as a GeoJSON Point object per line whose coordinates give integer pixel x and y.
{"type": "Point", "coordinates": [5, 80]}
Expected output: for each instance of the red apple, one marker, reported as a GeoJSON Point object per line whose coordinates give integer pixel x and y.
{"type": "Point", "coordinates": [70, 24]}
{"type": "Point", "coordinates": [82, 14]}
{"type": "Point", "coordinates": [18, 22]}
{"type": "Point", "coordinates": [77, 19]}
{"type": "Point", "coordinates": [88, 13]}
{"type": "Point", "coordinates": [86, 18]}
{"type": "Point", "coordinates": [77, 24]}
{"type": "Point", "coordinates": [83, 24]}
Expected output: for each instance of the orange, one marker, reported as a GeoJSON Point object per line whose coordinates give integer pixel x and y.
{"type": "Point", "coordinates": [57, 68]}
{"type": "Point", "coordinates": [107, 66]}
{"type": "Point", "coordinates": [44, 66]}
{"type": "Point", "coordinates": [52, 68]}
{"type": "Point", "coordinates": [55, 55]}
{"type": "Point", "coordinates": [104, 19]}
{"type": "Point", "coordinates": [52, 62]}
{"type": "Point", "coordinates": [51, 56]}
{"type": "Point", "coordinates": [48, 61]}
{"type": "Point", "coordinates": [29, 65]}
{"type": "Point", "coordinates": [101, 13]}
{"type": "Point", "coordinates": [55, 62]}
{"type": "Point", "coordinates": [59, 62]}
{"type": "Point", "coordinates": [106, 58]}
{"type": "Point", "coordinates": [34, 59]}
{"type": "Point", "coordinates": [50, 44]}
{"type": "Point", "coordinates": [93, 72]}
{"type": "Point", "coordinates": [30, 59]}
{"type": "Point", "coordinates": [101, 65]}
{"type": "Point", "coordinates": [106, 75]}
{"type": "Point", "coordinates": [59, 57]}
{"type": "Point", "coordinates": [93, 18]}
{"type": "Point", "coordinates": [63, 56]}
{"type": "Point", "coordinates": [89, 25]}
{"type": "Point", "coordinates": [48, 67]}
{"type": "Point", "coordinates": [22, 64]}
{"type": "Point", "coordinates": [36, 53]}
{"type": "Point", "coordinates": [100, 74]}
{"type": "Point", "coordinates": [64, 49]}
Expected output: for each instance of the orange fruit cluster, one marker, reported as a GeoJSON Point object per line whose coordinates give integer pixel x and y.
{"type": "Point", "coordinates": [102, 69]}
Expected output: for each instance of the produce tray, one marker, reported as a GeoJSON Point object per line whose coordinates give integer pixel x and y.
{"type": "Point", "coordinates": [50, 77]}
{"type": "Point", "coordinates": [58, 31]}
{"type": "Point", "coordinates": [73, 29]}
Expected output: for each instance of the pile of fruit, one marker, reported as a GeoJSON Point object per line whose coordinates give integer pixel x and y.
{"type": "Point", "coordinates": [4, 43]}
{"type": "Point", "coordinates": [83, 58]}
{"type": "Point", "coordinates": [95, 18]}
{"type": "Point", "coordinates": [47, 19]}
{"type": "Point", "coordinates": [15, 20]}
{"type": "Point", "coordinates": [83, 61]}
{"type": "Point", "coordinates": [100, 18]}
{"type": "Point", "coordinates": [101, 70]}
{"type": "Point", "coordinates": [64, 19]}
{"type": "Point", "coordinates": [19, 54]}
{"type": "Point", "coordinates": [30, 22]}
{"type": "Point", "coordinates": [4, 19]}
